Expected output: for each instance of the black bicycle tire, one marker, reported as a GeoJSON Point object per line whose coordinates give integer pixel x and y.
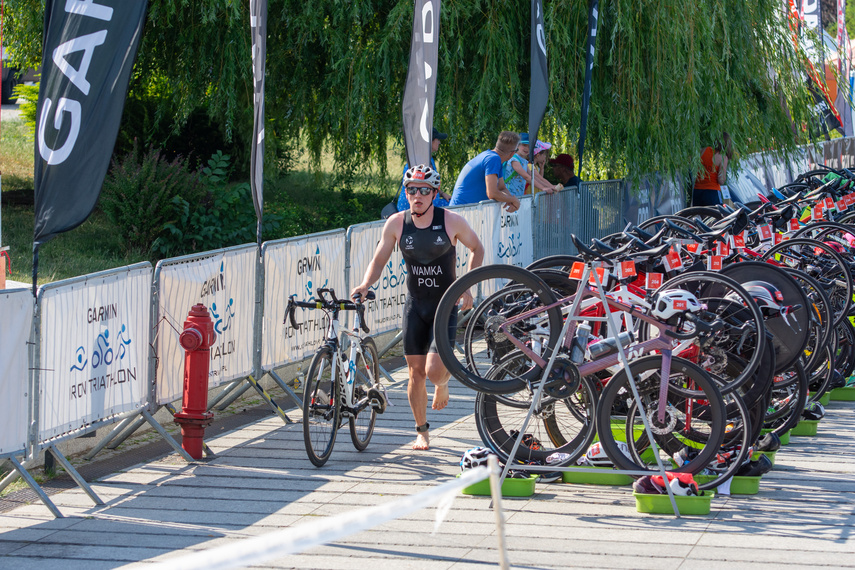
{"type": "Point", "coordinates": [794, 414]}
{"type": "Point", "coordinates": [497, 437]}
{"type": "Point", "coordinates": [319, 459]}
{"type": "Point", "coordinates": [707, 277]}
{"type": "Point", "coordinates": [361, 443]}
{"type": "Point", "coordinates": [447, 304]}
{"type": "Point", "coordinates": [707, 390]}
{"type": "Point", "coordinates": [843, 313]}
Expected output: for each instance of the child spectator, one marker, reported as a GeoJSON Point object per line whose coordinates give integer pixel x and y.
{"type": "Point", "coordinates": [517, 174]}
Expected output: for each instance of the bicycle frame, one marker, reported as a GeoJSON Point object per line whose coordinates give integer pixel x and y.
{"type": "Point", "coordinates": [663, 343]}
{"type": "Point", "coordinates": [346, 378]}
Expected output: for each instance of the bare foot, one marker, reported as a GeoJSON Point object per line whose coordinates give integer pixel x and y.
{"type": "Point", "coordinates": [440, 397]}
{"type": "Point", "coordinates": [422, 442]}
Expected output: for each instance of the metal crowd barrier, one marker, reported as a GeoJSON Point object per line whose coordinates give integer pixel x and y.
{"type": "Point", "coordinates": [244, 288]}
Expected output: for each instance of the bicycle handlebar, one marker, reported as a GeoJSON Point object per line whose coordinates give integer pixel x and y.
{"type": "Point", "coordinates": [331, 304]}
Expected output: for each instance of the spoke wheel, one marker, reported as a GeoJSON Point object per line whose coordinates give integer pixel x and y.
{"type": "Point", "coordinates": [321, 408]}
{"type": "Point", "coordinates": [694, 416]}
{"type": "Point", "coordinates": [366, 374]}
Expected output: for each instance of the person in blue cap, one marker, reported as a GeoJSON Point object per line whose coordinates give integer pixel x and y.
{"type": "Point", "coordinates": [517, 173]}
{"type": "Point", "coordinates": [442, 198]}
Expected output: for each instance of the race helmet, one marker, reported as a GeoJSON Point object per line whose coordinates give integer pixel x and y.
{"type": "Point", "coordinates": [767, 296]}
{"type": "Point", "coordinates": [422, 173]}
{"type": "Point", "coordinates": [813, 411]}
{"type": "Point", "coordinates": [671, 304]}
{"type": "Point", "coordinates": [597, 456]}
{"type": "Point", "coordinates": [475, 457]}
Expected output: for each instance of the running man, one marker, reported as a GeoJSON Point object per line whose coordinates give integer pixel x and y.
{"type": "Point", "coordinates": [427, 236]}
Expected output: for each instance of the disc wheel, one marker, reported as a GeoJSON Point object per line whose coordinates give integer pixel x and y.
{"type": "Point", "coordinates": [824, 264]}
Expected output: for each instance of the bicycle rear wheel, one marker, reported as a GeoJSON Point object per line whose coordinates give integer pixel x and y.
{"type": "Point", "coordinates": [507, 292]}
{"type": "Point", "coordinates": [366, 375]}
{"type": "Point", "coordinates": [694, 416]}
{"type": "Point", "coordinates": [321, 407]}
{"type": "Point", "coordinates": [557, 425]}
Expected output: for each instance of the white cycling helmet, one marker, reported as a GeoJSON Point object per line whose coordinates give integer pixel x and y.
{"type": "Point", "coordinates": [596, 455]}
{"type": "Point", "coordinates": [422, 173]}
{"type": "Point", "coordinates": [671, 304]}
{"type": "Point", "coordinates": [767, 296]}
{"type": "Point", "coordinates": [475, 457]}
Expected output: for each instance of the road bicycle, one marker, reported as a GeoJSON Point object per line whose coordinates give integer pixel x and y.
{"type": "Point", "coordinates": [340, 383]}
{"type": "Point", "coordinates": [506, 347]}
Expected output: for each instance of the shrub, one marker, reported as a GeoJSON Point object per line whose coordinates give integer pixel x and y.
{"type": "Point", "coordinates": [226, 219]}
{"type": "Point", "coordinates": [139, 194]}
{"type": "Point", "coordinates": [28, 98]}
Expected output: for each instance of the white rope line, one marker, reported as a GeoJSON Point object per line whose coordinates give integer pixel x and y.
{"type": "Point", "coordinates": [259, 549]}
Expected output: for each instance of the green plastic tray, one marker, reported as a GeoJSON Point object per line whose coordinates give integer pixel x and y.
{"type": "Point", "coordinates": [770, 454]}
{"type": "Point", "coordinates": [806, 427]}
{"type": "Point", "coordinates": [605, 476]}
{"type": "Point", "coordinates": [738, 485]}
{"type": "Point", "coordinates": [510, 487]}
{"type": "Point", "coordinates": [785, 439]}
{"type": "Point", "coordinates": [843, 394]}
{"type": "Point", "coordinates": [824, 399]}
{"type": "Point", "coordinates": [661, 504]}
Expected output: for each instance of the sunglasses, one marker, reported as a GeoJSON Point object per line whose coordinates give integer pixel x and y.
{"type": "Point", "coordinates": [423, 190]}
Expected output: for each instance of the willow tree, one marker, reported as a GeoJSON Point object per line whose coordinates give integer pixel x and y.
{"type": "Point", "coordinates": [669, 76]}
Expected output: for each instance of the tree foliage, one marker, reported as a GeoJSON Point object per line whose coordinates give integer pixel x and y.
{"type": "Point", "coordinates": [669, 76]}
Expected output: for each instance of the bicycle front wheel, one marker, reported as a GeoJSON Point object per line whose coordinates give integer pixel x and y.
{"type": "Point", "coordinates": [507, 293]}
{"type": "Point", "coordinates": [321, 407]}
{"type": "Point", "coordinates": [694, 417]}
{"type": "Point", "coordinates": [366, 375]}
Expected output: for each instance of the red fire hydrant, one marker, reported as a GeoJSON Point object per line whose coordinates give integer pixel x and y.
{"type": "Point", "coordinates": [196, 339]}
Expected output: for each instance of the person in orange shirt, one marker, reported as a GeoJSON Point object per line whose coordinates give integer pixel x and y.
{"type": "Point", "coordinates": [707, 191]}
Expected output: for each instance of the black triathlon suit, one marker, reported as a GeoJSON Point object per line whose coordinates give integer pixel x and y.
{"type": "Point", "coordinates": [431, 260]}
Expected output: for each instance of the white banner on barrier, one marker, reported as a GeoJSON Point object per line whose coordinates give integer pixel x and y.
{"type": "Point", "coordinates": [474, 215]}
{"type": "Point", "coordinates": [299, 267]}
{"type": "Point", "coordinates": [94, 348]}
{"type": "Point", "coordinates": [508, 238]}
{"type": "Point", "coordinates": [510, 235]}
{"type": "Point", "coordinates": [384, 313]}
{"type": "Point", "coordinates": [17, 310]}
{"type": "Point", "coordinates": [225, 283]}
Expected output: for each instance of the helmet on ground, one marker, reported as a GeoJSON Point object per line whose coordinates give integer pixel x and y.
{"type": "Point", "coordinates": [671, 304]}
{"type": "Point", "coordinates": [756, 468]}
{"type": "Point", "coordinates": [596, 455]}
{"type": "Point", "coordinates": [813, 411]}
{"type": "Point", "coordinates": [645, 486]}
{"type": "Point", "coordinates": [769, 442]}
{"type": "Point", "coordinates": [681, 483]}
{"type": "Point", "coordinates": [422, 173]}
{"type": "Point", "coordinates": [475, 457]}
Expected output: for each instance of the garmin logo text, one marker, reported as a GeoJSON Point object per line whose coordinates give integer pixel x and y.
{"type": "Point", "coordinates": [212, 285]}
{"type": "Point", "coordinates": [101, 314]}
{"type": "Point", "coordinates": [308, 264]}
{"type": "Point", "coordinates": [67, 114]}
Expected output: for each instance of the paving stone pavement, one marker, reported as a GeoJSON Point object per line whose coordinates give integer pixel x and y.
{"type": "Point", "coordinates": [262, 482]}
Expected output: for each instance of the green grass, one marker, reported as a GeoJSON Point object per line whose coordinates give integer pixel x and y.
{"type": "Point", "coordinates": [306, 200]}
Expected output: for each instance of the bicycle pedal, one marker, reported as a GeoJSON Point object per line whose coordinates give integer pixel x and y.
{"type": "Point", "coordinates": [377, 400]}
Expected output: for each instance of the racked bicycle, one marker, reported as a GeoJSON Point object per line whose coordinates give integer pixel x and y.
{"type": "Point", "coordinates": [339, 385]}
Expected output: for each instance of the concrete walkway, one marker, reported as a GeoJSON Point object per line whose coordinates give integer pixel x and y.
{"type": "Point", "coordinates": [262, 481]}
